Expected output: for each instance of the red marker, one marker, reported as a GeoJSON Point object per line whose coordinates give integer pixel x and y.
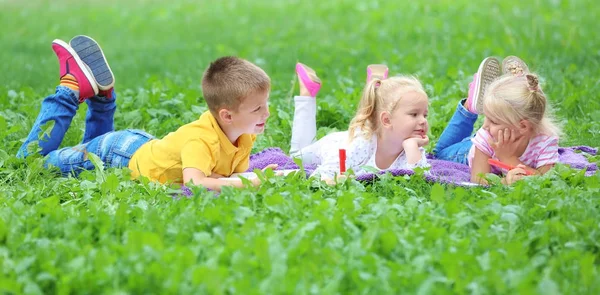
{"type": "Point", "coordinates": [342, 161]}
{"type": "Point", "coordinates": [502, 165]}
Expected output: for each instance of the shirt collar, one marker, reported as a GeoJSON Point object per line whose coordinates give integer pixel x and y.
{"type": "Point", "coordinates": [244, 141]}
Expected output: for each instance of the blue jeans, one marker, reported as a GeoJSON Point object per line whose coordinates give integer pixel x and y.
{"type": "Point", "coordinates": [455, 142]}
{"type": "Point", "coordinates": [114, 148]}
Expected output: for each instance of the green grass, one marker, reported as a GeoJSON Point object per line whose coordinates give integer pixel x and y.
{"type": "Point", "coordinates": [106, 234]}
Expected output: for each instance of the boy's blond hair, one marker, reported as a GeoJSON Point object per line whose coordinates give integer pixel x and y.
{"type": "Point", "coordinates": [511, 99]}
{"type": "Point", "coordinates": [228, 80]}
{"type": "Point", "coordinates": [379, 96]}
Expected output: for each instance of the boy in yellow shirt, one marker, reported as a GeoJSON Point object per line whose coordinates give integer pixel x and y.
{"type": "Point", "coordinates": [214, 146]}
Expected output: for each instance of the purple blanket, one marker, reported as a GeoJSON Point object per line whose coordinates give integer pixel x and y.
{"type": "Point", "coordinates": [441, 171]}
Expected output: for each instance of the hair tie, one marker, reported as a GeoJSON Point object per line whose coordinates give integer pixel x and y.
{"type": "Point", "coordinates": [532, 83]}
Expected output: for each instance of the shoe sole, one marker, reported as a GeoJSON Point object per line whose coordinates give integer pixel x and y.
{"type": "Point", "coordinates": [80, 63]}
{"type": "Point", "coordinates": [507, 64]}
{"type": "Point", "coordinates": [489, 70]}
{"type": "Point", "coordinates": [377, 71]}
{"type": "Point", "coordinates": [90, 52]}
{"type": "Point", "coordinates": [311, 73]}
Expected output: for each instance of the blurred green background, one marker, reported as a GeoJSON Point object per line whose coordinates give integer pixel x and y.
{"type": "Point", "coordinates": [163, 46]}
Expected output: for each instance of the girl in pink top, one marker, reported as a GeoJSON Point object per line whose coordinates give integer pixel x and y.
{"type": "Point", "coordinates": [518, 129]}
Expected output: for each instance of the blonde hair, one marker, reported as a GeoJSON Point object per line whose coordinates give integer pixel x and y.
{"type": "Point", "coordinates": [511, 99]}
{"type": "Point", "coordinates": [229, 79]}
{"type": "Point", "coordinates": [379, 96]}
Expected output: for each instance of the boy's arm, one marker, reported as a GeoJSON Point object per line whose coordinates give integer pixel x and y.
{"type": "Point", "coordinates": [198, 177]}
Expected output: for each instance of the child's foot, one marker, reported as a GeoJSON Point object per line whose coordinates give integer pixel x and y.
{"type": "Point", "coordinates": [377, 72]}
{"type": "Point", "coordinates": [310, 84]}
{"type": "Point", "coordinates": [91, 54]}
{"type": "Point", "coordinates": [514, 65]}
{"type": "Point", "coordinates": [488, 71]}
{"type": "Point", "coordinates": [73, 72]}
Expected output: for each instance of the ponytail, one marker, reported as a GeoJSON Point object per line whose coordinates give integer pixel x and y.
{"type": "Point", "coordinates": [367, 108]}
{"type": "Point", "coordinates": [533, 83]}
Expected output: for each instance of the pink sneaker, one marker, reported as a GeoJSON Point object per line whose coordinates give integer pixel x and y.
{"type": "Point", "coordinates": [91, 54]}
{"type": "Point", "coordinates": [377, 71]}
{"type": "Point", "coordinates": [308, 78]}
{"type": "Point", "coordinates": [71, 64]}
{"type": "Point", "coordinates": [488, 71]}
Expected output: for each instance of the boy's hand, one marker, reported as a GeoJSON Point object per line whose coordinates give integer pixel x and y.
{"type": "Point", "coordinates": [506, 145]}
{"type": "Point", "coordinates": [255, 181]}
{"type": "Point", "coordinates": [273, 166]}
{"type": "Point", "coordinates": [270, 166]}
{"type": "Point", "coordinates": [515, 174]}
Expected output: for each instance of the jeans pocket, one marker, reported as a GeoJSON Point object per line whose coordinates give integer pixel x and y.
{"type": "Point", "coordinates": [125, 145]}
{"type": "Point", "coordinates": [141, 133]}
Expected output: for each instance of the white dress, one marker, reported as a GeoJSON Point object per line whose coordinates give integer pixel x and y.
{"type": "Point", "coordinates": [360, 151]}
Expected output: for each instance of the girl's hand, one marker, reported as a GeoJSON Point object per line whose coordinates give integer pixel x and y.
{"type": "Point", "coordinates": [507, 144]}
{"type": "Point", "coordinates": [516, 174]}
{"type": "Point", "coordinates": [423, 141]}
{"type": "Point", "coordinates": [420, 141]}
{"type": "Point", "coordinates": [339, 178]}
{"type": "Point", "coordinates": [411, 148]}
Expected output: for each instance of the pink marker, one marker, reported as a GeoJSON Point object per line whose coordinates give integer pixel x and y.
{"type": "Point", "coordinates": [502, 165]}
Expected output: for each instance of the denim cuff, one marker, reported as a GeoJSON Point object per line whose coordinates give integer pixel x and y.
{"type": "Point", "coordinates": [463, 111]}
{"type": "Point", "coordinates": [64, 91]}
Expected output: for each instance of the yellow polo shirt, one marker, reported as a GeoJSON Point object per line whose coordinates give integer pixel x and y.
{"type": "Point", "coordinates": [200, 144]}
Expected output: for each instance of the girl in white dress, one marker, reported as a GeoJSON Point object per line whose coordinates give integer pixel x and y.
{"type": "Point", "coordinates": [388, 131]}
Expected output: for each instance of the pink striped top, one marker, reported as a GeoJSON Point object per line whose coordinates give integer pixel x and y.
{"type": "Point", "coordinates": [542, 150]}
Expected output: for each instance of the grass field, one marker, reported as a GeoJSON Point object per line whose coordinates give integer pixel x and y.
{"type": "Point", "coordinates": [103, 233]}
